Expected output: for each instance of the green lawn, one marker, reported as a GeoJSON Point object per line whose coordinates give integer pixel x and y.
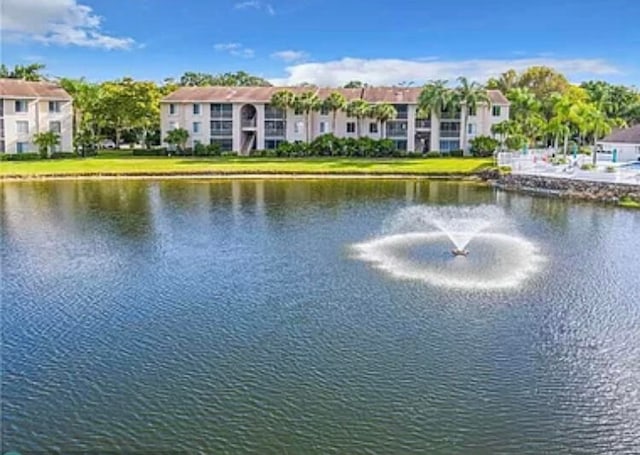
{"type": "Point", "coordinates": [122, 164]}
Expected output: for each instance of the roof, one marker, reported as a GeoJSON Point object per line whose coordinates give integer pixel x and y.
{"type": "Point", "coordinates": [392, 95]}
{"type": "Point", "coordinates": [18, 88]}
{"type": "Point", "coordinates": [496, 97]}
{"type": "Point", "coordinates": [626, 135]}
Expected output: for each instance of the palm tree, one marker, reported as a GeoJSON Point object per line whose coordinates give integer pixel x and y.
{"type": "Point", "coordinates": [434, 97]}
{"type": "Point", "coordinates": [597, 123]}
{"type": "Point", "coordinates": [501, 129]}
{"type": "Point", "coordinates": [46, 141]}
{"type": "Point", "coordinates": [383, 113]}
{"type": "Point", "coordinates": [557, 129]}
{"type": "Point", "coordinates": [335, 102]}
{"type": "Point", "coordinates": [523, 102]}
{"type": "Point", "coordinates": [507, 81]}
{"type": "Point", "coordinates": [307, 102]}
{"type": "Point", "coordinates": [358, 109]}
{"type": "Point", "coordinates": [469, 94]}
{"type": "Point", "coordinates": [178, 137]}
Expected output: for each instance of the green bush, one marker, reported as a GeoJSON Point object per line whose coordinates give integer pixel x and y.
{"type": "Point", "coordinates": [199, 149]}
{"type": "Point", "coordinates": [214, 149]}
{"type": "Point", "coordinates": [611, 169]}
{"type": "Point", "coordinates": [19, 156]}
{"type": "Point", "coordinates": [483, 146]}
{"type": "Point", "coordinates": [459, 153]}
{"type": "Point", "coordinates": [587, 167]}
{"type": "Point", "coordinates": [432, 154]}
{"type": "Point", "coordinates": [60, 155]}
{"type": "Point", "coordinates": [584, 150]}
{"type": "Point", "coordinates": [228, 153]}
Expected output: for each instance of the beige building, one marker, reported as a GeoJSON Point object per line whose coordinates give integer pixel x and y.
{"type": "Point", "coordinates": [27, 108]}
{"type": "Point", "coordinates": [241, 119]}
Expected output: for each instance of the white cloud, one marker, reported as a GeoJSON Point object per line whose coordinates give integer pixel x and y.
{"type": "Point", "coordinates": [257, 5]}
{"type": "Point", "coordinates": [235, 49]}
{"type": "Point", "coordinates": [290, 55]}
{"type": "Point", "coordinates": [393, 71]}
{"type": "Point", "coordinates": [60, 22]}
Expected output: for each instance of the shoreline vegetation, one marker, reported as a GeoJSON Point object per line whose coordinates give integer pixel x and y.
{"type": "Point", "coordinates": [118, 165]}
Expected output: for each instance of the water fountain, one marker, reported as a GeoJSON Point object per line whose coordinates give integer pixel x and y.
{"type": "Point", "coordinates": [416, 244]}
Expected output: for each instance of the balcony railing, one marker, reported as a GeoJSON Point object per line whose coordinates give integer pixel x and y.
{"type": "Point", "coordinates": [450, 134]}
{"type": "Point", "coordinates": [222, 132]}
{"type": "Point", "coordinates": [274, 132]}
{"type": "Point", "coordinates": [423, 123]}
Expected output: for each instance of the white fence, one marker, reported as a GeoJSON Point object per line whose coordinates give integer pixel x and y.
{"type": "Point", "coordinates": [540, 162]}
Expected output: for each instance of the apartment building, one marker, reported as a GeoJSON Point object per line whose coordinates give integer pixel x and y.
{"type": "Point", "coordinates": [27, 108]}
{"type": "Point", "coordinates": [241, 118]}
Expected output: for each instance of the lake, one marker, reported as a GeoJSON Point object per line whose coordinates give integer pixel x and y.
{"type": "Point", "coordinates": [316, 316]}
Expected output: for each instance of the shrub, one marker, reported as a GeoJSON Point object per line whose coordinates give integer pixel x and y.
{"type": "Point", "coordinates": [559, 160]}
{"type": "Point", "coordinates": [457, 153]}
{"type": "Point", "coordinates": [587, 167]}
{"type": "Point", "coordinates": [584, 150]}
{"type": "Point", "coordinates": [432, 154]}
{"type": "Point", "coordinates": [19, 156]}
{"type": "Point", "coordinates": [199, 149]}
{"type": "Point", "coordinates": [60, 155]}
{"type": "Point", "coordinates": [228, 153]}
{"type": "Point", "coordinates": [611, 169]}
{"type": "Point", "coordinates": [483, 146]}
{"type": "Point", "coordinates": [214, 149]}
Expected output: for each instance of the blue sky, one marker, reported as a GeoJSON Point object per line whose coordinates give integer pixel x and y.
{"type": "Point", "coordinates": [324, 41]}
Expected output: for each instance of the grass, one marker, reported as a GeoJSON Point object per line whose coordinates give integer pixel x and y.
{"type": "Point", "coordinates": [629, 203]}
{"type": "Point", "coordinates": [126, 164]}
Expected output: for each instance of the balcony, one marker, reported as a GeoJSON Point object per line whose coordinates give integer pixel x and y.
{"type": "Point", "coordinates": [423, 123]}
{"type": "Point", "coordinates": [249, 122]}
{"type": "Point", "coordinates": [450, 134]}
{"type": "Point", "coordinates": [274, 132]}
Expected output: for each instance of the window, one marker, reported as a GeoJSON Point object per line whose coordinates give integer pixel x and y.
{"type": "Point", "coordinates": [472, 128]}
{"type": "Point", "coordinates": [221, 127]}
{"type": "Point", "coordinates": [400, 144]}
{"type": "Point", "coordinates": [54, 106]}
{"type": "Point", "coordinates": [324, 126]}
{"type": "Point", "coordinates": [172, 109]}
{"type": "Point", "coordinates": [450, 129]}
{"type": "Point", "coordinates": [22, 106]}
{"type": "Point", "coordinates": [173, 125]}
{"type": "Point", "coordinates": [373, 128]}
{"type": "Point", "coordinates": [22, 147]}
{"type": "Point", "coordinates": [496, 111]}
{"type": "Point", "coordinates": [274, 128]}
{"type": "Point", "coordinates": [221, 110]}
{"type": "Point", "coordinates": [196, 109]}
{"type": "Point", "coordinates": [402, 111]}
{"type": "Point", "coordinates": [447, 146]}
{"type": "Point", "coordinates": [226, 145]}
{"type": "Point", "coordinates": [351, 127]}
{"type": "Point", "coordinates": [2, 146]}
{"type": "Point", "coordinates": [22, 127]}
{"type": "Point", "coordinates": [324, 110]}
{"type": "Point", "coordinates": [472, 111]}
{"type": "Point", "coordinates": [196, 127]}
{"type": "Point", "coordinates": [271, 144]}
{"type": "Point", "coordinates": [55, 127]}
{"type": "Point", "coordinates": [298, 127]}
{"type": "Point", "coordinates": [397, 129]}
{"type": "Point", "coordinates": [271, 112]}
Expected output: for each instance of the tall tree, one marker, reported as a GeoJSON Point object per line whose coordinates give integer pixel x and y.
{"type": "Point", "coordinates": [383, 113]}
{"type": "Point", "coordinates": [470, 95]}
{"type": "Point", "coordinates": [435, 97]}
{"type": "Point", "coordinates": [358, 109]}
{"type": "Point", "coordinates": [335, 102]}
{"type": "Point", "coordinates": [543, 81]}
{"type": "Point", "coordinates": [32, 72]}
{"type": "Point", "coordinates": [239, 78]}
{"type": "Point", "coordinates": [308, 102]}
{"type": "Point", "coordinates": [505, 83]}
{"type": "Point", "coordinates": [177, 137]}
{"type": "Point", "coordinates": [355, 84]}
